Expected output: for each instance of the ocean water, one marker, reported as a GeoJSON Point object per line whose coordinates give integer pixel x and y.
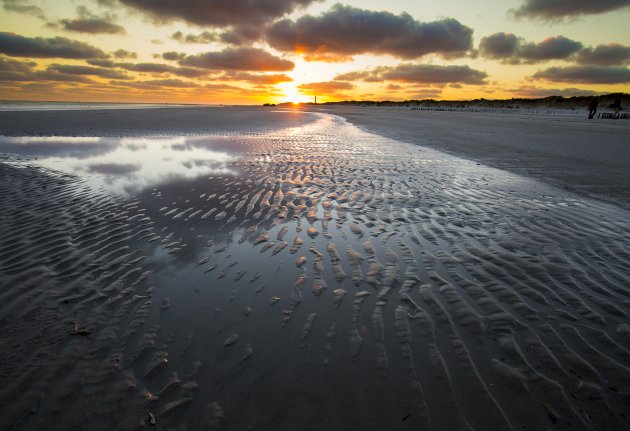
{"type": "Point", "coordinates": [309, 277]}
{"type": "Point", "coordinates": [6, 105]}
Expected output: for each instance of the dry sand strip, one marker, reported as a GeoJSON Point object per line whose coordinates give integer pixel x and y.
{"type": "Point", "coordinates": [588, 157]}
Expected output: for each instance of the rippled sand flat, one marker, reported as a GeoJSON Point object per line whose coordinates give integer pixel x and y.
{"type": "Point", "coordinates": [314, 277]}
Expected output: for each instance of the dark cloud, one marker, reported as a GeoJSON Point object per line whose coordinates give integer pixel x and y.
{"type": "Point", "coordinates": [24, 71]}
{"type": "Point", "coordinates": [10, 65]}
{"type": "Point", "coordinates": [558, 9]}
{"type": "Point", "coordinates": [14, 70]}
{"type": "Point", "coordinates": [39, 47]}
{"type": "Point", "coordinates": [613, 54]}
{"type": "Point", "coordinates": [71, 69]}
{"type": "Point", "coordinates": [216, 13]}
{"type": "Point", "coordinates": [344, 31]}
{"type": "Point", "coordinates": [173, 55]}
{"type": "Point", "coordinates": [253, 59]}
{"type": "Point", "coordinates": [24, 7]}
{"type": "Point", "coordinates": [242, 34]}
{"type": "Point", "coordinates": [154, 84]}
{"type": "Point", "coordinates": [513, 50]}
{"type": "Point", "coordinates": [205, 37]}
{"type": "Point", "coordinates": [418, 74]}
{"type": "Point", "coordinates": [121, 53]}
{"type": "Point", "coordinates": [156, 68]}
{"type": "Point", "coordinates": [433, 74]}
{"type": "Point", "coordinates": [499, 46]}
{"type": "Point", "coordinates": [89, 23]}
{"type": "Point", "coordinates": [585, 75]}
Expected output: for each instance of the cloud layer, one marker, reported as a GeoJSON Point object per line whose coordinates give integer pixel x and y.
{"type": "Point", "coordinates": [418, 74]}
{"type": "Point", "coordinates": [238, 59]}
{"type": "Point", "coordinates": [216, 13]}
{"type": "Point", "coordinates": [55, 47]}
{"type": "Point", "coordinates": [511, 49]}
{"type": "Point", "coordinates": [89, 23]}
{"type": "Point", "coordinates": [558, 9]}
{"type": "Point", "coordinates": [344, 31]}
{"type": "Point", "coordinates": [613, 54]}
{"type": "Point", "coordinates": [585, 75]}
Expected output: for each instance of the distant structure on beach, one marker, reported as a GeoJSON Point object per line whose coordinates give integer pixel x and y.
{"type": "Point", "coordinates": [316, 100]}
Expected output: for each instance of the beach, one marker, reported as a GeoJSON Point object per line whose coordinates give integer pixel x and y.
{"type": "Point", "coordinates": [562, 148]}
{"type": "Point", "coordinates": [333, 268]}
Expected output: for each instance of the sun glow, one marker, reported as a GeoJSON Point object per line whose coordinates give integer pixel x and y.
{"type": "Point", "coordinates": [290, 89]}
{"type": "Point", "coordinates": [292, 93]}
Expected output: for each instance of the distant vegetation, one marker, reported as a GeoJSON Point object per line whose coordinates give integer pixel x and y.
{"type": "Point", "coordinates": [554, 102]}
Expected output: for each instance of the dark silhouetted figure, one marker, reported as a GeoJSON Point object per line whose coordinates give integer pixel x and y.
{"type": "Point", "coordinates": [592, 107]}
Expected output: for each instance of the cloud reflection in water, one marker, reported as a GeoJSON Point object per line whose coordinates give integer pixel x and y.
{"type": "Point", "coordinates": [126, 165]}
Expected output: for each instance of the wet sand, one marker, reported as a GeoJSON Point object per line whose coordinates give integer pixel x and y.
{"type": "Point", "coordinates": [569, 151]}
{"type": "Point", "coordinates": [305, 277]}
{"type": "Point", "coordinates": [140, 122]}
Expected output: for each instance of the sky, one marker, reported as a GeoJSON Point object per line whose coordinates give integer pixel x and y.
{"type": "Point", "coordinates": [274, 51]}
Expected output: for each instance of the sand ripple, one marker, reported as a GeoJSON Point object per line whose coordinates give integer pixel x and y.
{"type": "Point", "coordinates": [335, 280]}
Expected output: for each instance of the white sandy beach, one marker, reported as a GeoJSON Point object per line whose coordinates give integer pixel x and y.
{"type": "Point", "coordinates": [250, 268]}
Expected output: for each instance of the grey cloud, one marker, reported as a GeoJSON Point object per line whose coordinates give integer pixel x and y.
{"type": "Point", "coordinates": [585, 75]}
{"type": "Point", "coordinates": [10, 65]}
{"type": "Point", "coordinates": [101, 62]}
{"type": "Point", "coordinates": [26, 73]}
{"type": "Point", "coordinates": [55, 47]}
{"type": "Point", "coordinates": [433, 74]}
{"type": "Point", "coordinates": [156, 84]}
{"type": "Point", "coordinates": [242, 34]}
{"type": "Point", "coordinates": [511, 49]}
{"type": "Point", "coordinates": [558, 9]}
{"type": "Point", "coordinates": [217, 13]}
{"type": "Point", "coordinates": [173, 55]}
{"type": "Point", "coordinates": [346, 31]}
{"type": "Point", "coordinates": [499, 45]}
{"type": "Point", "coordinates": [419, 74]}
{"type": "Point", "coordinates": [23, 7]}
{"type": "Point", "coordinates": [189, 72]}
{"type": "Point", "coordinates": [253, 59]}
{"type": "Point", "coordinates": [87, 70]}
{"type": "Point", "coordinates": [14, 70]}
{"type": "Point", "coordinates": [121, 53]}
{"type": "Point", "coordinates": [89, 23]}
{"type": "Point", "coordinates": [204, 37]}
{"type": "Point", "coordinates": [613, 54]}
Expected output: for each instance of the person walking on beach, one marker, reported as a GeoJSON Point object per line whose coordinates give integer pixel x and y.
{"type": "Point", "coordinates": [592, 107]}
